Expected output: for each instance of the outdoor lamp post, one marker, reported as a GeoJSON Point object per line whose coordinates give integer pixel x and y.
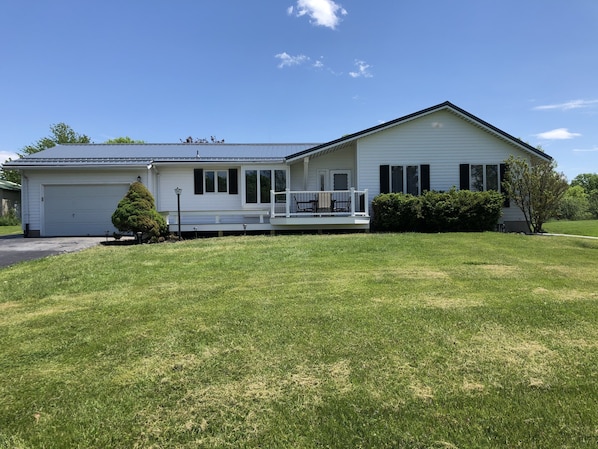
{"type": "Point", "coordinates": [178, 191]}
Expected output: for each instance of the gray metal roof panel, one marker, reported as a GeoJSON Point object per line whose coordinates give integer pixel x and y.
{"type": "Point", "coordinates": [138, 154]}
{"type": "Point", "coordinates": [169, 151]}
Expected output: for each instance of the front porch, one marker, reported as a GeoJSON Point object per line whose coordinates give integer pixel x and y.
{"type": "Point", "coordinates": [288, 211]}
{"type": "Point", "coordinates": [337, 209]}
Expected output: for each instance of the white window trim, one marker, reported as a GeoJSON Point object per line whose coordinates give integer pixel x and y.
{"type": "Point", "coordinates": [419, 177]}
{"type": "Point", "coordinates": [340, 172]}
{"type": "Point", "coordinates": [215, 171]}
{"type": "Point", "coordinates": [243, 189]}
{"type": "Point", "coordinates": [484, 181]}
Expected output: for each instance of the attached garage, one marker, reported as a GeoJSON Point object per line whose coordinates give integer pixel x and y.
{"type": "Point", "coordinates": [81, 209]}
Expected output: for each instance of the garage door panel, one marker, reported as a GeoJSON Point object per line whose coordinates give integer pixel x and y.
{"type": "Point", "coordinates": [79, 210]}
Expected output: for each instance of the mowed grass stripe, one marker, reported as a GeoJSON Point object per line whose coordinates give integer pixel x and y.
{"type": "Point", "coordinates": [381, 340]}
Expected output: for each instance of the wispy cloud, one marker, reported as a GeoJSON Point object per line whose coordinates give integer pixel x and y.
{"type": "Point", "coordinates": [574, 104]}
{"type": "Point", "coordinates": [324, 13]}
{"type": "Point", "coordinates": [363, 70]}
{"type": "Point", "coordinates": [558, 134]}
{"type": "Point", "coordinates": [585, 150]}
{"type": "Point", "coordinates": [287, 60]}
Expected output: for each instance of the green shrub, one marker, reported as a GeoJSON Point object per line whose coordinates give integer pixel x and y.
{"type": "Point", "coordinates": [136, 212]}
{"type": "Point", "coordinates": [452, 211]}
{"type": "Point", "coordinates": [10, 219]}
{"type": "Point", "coordinates": [396, 212]}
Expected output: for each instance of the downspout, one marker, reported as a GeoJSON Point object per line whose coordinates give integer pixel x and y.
{"type": "Point", "coordinates": [150, 180]}
{"type": "Point", "coordinates": [25, 204]}
{"type": "Point", "coordinates": [305, 171]}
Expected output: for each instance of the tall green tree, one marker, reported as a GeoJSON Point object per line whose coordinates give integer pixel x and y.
{"type": "Point", "coordinates": [536, 189]}
{"type": "Point", "coordinates": [574, 205]}
{"type": "Point", "coordinates": [60, 133]}
{"type": "Point", "coordinates": [588, 181]}
{"type": "Point", "coordinates": [125, 139]}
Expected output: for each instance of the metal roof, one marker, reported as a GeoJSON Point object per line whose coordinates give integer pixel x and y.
{"type": "Point", "coordinates": [144, 154]}
{"type": "Point", "coordinates": [92, 155]}
{"type": "Point", "coordinates": [7, 185]}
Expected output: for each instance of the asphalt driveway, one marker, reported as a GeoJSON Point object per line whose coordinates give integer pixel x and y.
{"type": "Point", "coordinates": [16, 248]}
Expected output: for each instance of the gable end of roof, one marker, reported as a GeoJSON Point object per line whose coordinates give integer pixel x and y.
{"type": "Point", "coordinates": [447, 105]}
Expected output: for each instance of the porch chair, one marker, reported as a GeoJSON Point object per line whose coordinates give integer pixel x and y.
{"type": "Point", "coordinates": [324, 202]}
{"type": "Point", "coordinates": [304, 206]}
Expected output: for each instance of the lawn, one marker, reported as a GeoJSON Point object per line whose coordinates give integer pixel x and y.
{"type": "Point", "coordinates": [338, 341]}
{"type": "Point", "coordinates": [578, 227]}
{"type": "Point", "coordinates": [9, 230]}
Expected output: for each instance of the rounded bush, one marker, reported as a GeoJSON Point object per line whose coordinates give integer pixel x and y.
{"type": "Point", "coordinates": [136, 212]}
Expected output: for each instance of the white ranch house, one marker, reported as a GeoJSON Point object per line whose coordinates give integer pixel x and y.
{"type": "Point", "coordinates": [72, 190]}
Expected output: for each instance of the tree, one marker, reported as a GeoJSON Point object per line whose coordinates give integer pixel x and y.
{"type": "Point", "coordinates": [574, 205]}
{"type": "Point", "coordinates": [537, 189]}
{"type": "Point", "coordinates": [136, 212]}
{"type": "Point", "coordinates": [125, 139]}
{"type": "Point", "coordinates": [593, 203]}
{"type": "Point", "coordinates": [588, 181]}
{"type": "Point", "coordinates": [60, 133]}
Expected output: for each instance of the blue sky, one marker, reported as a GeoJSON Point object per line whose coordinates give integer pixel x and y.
{"type": "Point", "coordinates": [298, 71]}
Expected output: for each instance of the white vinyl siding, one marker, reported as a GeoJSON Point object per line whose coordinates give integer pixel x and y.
{"type": "Point", "coordinates": [442, 139]}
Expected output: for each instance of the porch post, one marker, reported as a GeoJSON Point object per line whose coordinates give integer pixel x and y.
{"type": "Point", "coordinates": [288, 203]}
{"type": "Point", "coordinates": [272, 203]}
{"type": "Point", "coordinates": [305, 171]}
{"type": "Point", "coordinates": [352, 201]}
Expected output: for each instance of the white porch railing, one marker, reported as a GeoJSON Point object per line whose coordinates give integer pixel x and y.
{"type": "Point", "coordinates": [216, 217]}
{"type": "Point", "coordinates": [344, 203]}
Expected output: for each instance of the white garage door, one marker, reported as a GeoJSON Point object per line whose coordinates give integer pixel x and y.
{"type": "Point", "coordinates": [80, 210]}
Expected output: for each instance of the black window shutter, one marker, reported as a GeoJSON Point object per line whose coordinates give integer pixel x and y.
{"type": "Point", "coordinates": [503, 172]}
{"type": "Point", "coordinates": [463, 176]}
{"type": "Point", "coordinates": [425, 177]}
{"type": "Point", "coordinates": [233, 181]}
{"type": "Point", "coordinates": [198, 180]}
{"type": "Point", "coordinates": [384, 179]}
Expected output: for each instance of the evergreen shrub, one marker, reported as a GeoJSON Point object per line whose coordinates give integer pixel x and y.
{"type": "Point", "coordinates": [452, 211]}
{"type": "Point", "coordinates": [136, 212]}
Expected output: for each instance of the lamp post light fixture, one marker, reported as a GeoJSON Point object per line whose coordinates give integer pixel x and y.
{"type": "Point", "coordinates": [178, 191]}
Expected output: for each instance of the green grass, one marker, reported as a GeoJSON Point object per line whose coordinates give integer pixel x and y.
{"type": "Point", "coordinates": [579, 227]}
{"type": "Point", "coordinates": [394, 340]}
{"type": "Point", "coordinates": [9, 230]}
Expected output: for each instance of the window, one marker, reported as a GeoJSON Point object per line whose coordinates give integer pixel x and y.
{"type": "Point", "coordinates": [215, 181]}
{"type": "Point", "coordinates": [481, 177]}
{"type": "Point", "coordinates": [411, 179]}
{"type": "Point", "coordinates": [258, 184]}
{"type": "Point", "coordinates": [340, 179]}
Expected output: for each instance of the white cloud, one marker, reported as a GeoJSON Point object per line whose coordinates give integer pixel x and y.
{"type": "Point", "coordinates": [585, 150]}
{"type": "Point", "coordinates": [558, 134]}
{"type": "Point", "coordinates": [574, 104]}
{"type": "Point", "coordinates": [324, 13]}
{"type": "Point", "coordinates": [363, 70]}
{"type": "Point", "coordinates": [318, 64]}
{"type": "Point", "coordinates": [5, 155]}
{"type": "Point", "coordinates": [287, 60]}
